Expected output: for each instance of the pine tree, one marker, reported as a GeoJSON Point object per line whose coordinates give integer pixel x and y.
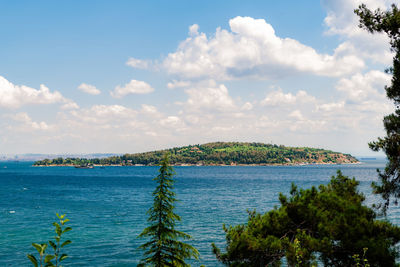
{"type": "Point", "coordinates": [164, 247]}
{"type": "Point", "coordinates": [387, 22]}
{"type": "Point", "coordinates": [329, 223]}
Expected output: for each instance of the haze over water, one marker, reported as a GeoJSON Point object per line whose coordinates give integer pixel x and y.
{"type": "Point", "coordinates": [107, 207]}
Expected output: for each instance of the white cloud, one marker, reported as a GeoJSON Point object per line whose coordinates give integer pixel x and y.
{"type": "Point", "coordinates": [172, 121]}
{"type": "Point", "coordinates": [352, 113]}
{"type": "Point", "coordinates": [342, 21]}
{"type": "Point", "coordinates": [209, 96]}
{"type": "Point", "coordinates": [247, 106]}
{"type": "Point", "coordinates": [178, 84]}
{"type": "Point", "coordinates": [295, 118]}
{"type": "Point", "coordinates": [251, 49]}
{"type": "Point", "coordinates": [296, 114]}
{"type": "Point", "coordinates": [341, 18]}
{"type": "Point", "coordinates": [104, 113]}
{"type": "Point", "coordinates": [133, 87]}
{"type": "Point", "coordinates": [26, 123]}
{"type": "Point", "coordinates": [15, 96]}
{"type": "Point", "coordinates": [328, 107]}
{"type": "Point", "coordinates": [149, 110]}
{"type": "Point", "coordinates": [89, 89]}
{"type": "Point", "coordinates": [139, 63]}
{"type": "Point", "coordinates": [361, 87]}
{"type": "Point", "coordinates": [277, 98]}
{"type": "Point", "coordinates": [194, 30]}
{"type": "Point", "coordinates": [70, 105]}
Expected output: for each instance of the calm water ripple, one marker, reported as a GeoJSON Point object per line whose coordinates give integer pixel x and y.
{"type": "Point", "coordinates": [107, 207]}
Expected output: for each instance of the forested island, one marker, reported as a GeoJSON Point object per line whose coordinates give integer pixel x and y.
{"type": "Point", "coordinates": [217, 153]}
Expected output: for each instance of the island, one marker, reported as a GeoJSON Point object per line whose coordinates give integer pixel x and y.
{"type": "Point", "coordinates": [218, 154]}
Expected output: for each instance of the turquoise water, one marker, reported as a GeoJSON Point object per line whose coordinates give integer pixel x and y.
{"type": "Point", "coordinates": [107, 207]}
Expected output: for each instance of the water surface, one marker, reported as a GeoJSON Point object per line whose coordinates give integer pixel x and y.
{"type": "Point", "coordinates": [107, 207]}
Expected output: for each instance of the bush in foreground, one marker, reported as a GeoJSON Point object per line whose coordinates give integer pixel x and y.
{"type": "Point", "coordinates": [330, 223]}
{"type": "Point", "coordinates": [55, 258]}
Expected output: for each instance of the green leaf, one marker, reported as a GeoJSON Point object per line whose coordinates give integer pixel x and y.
{"type": "Point", "coordinates": [33, 260]}
{"type": "Point", "coordinates": [63, 257]}
{"type": "Point", "coordinates": [60, 216]}
{"type": "Point", "coordinates": [66, 243]}
{"type": "Point", "coordinates": [67, 229]}
{"type": "Point", "coordinates": [48, 258]}
{"type": "Point", "coordinates": [58, 228]}
{"type": "Point", "coordinates": [53, 245]}
{"type": "Point", "coordinates": [38, 247]}
{"type": "Point", "coordinates": [41, 248]}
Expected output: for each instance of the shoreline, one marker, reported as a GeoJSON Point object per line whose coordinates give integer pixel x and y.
{"type": "Point", "coordinates": [205, 165]}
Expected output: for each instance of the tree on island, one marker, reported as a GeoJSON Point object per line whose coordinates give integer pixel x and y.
{"type": "Point", "coordinates": [329, 222]}
{"type": "Point", "coordinates": [164, 247]}
{"type": "Point", "coordinates": [389, 23]}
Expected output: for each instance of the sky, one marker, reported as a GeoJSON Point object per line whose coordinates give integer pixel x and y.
{"type": "Point", "coordinates": [134, 76]}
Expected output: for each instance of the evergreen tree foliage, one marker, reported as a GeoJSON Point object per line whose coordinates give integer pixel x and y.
{"type": "Point", "coordinates": [164, 247]}
{"type": "Point", "coordinates": [387, 22]}
{"type": "Point", "coordinates": [328, 223]}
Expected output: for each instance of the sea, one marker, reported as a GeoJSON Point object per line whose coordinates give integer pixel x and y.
{"type": "Point", "coordinates": [107, 206]}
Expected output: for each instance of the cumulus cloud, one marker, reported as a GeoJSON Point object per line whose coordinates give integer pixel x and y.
{"type": "Point", "coordinates": [103, 113]}
{"type": "Point", "coordinates": [341, 18]}
{"type": "Point", "coordinates": [209, 95]}
{"type": "Point", "coordinates": [139, 63]}
{"type": "Point", "coordinates": [133, 87]}
{"type": "Point", "coordinates": [70, 105]}
{"type": "Point", "coordinates": [27, 124]}
{"type": "Point", "coordinates": [365, 93]}
{"type": "Point", "coordinates": [172, 121]}
{"type": "Point", "coordinates": [342, 21]}
{"type": "Point", "coordinates": [149, 110]}
{"type": "Point", "coordinates": [328, 107]}
{"type": "Point", "coordinates": [252, 49]}
{"type": "Point", "coordinates": [178, 84]}
{"type": "Point", "coordinates": [194, 30]}
{"type": "Point", "coordinates": [247, 106]}
{"type": "Point", "coordinates": [276, 98]}
{"type": "Point", "coordinates": [15, 96]}
{"type": "Point", "coordinates": [296, 114]}
{"type": "Point", "coordinates": [360, 104]}
{"type": "Point", "coordinates": [361, 87]}
{"type": "Point", "coordinates": [89, 89]}
{"type": "Point", "coordinates": [249, 49]}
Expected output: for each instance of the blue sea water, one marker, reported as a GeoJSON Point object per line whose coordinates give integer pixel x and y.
{"type": "Point", "coordinates": [107, 207]}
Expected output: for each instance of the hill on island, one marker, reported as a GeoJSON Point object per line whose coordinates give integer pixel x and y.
{"type": "Point", "coordinates": [218, 153]}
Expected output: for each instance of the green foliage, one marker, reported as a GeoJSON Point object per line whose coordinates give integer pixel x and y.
{"type": "Point", "coordinates": [56, 257]}
{"type": "Point", "coordinates": [387, 22]}
{"type": "Point", "coordinates": [329, 222]}
{"type": "Point", "coordinates": [41, 249]}
{"type": "Point", "coordinates": [299, 253]}
{"type": "Point", "coordinates": [221, 153]}
{"type": "Point", "coordinates": [361, 262]}
{"type": "Point", "coordinates": [164, 247]}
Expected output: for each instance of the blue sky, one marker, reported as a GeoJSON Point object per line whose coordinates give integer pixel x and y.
{"type": "Point", "coordinates": [131, 76]}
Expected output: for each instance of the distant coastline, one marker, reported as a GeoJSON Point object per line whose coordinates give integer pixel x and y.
{"type": "Point", "coordinates": [216, 154]}
{"type": "Point", "coordinates": [209, 165]}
